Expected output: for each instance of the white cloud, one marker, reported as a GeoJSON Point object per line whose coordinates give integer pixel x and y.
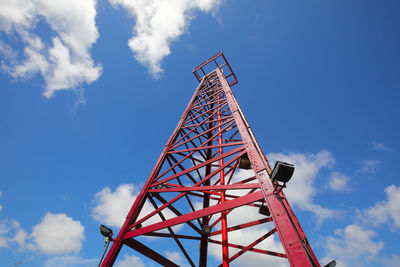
{"type": "Point", "coordinates": [55, 234]}
{"type": "Point", "coordinates": [70, 260]}
{"type": "Point", "coordinates": [130, 260]}
{"type": "Point", "coordinates": [158, 23]}
{"type": "Point", "coordinates": [386, 211]}
{"type": "Point", "coordinates": [66, 63]}
{"type": "Point", "coordinates": [58, 234]}
{"type": "Point", "coordinates": [301, 189]}
{"type": "Point", "coordinates": [112, 207]}
{"type": "Point", "coordinates": [339, 182]}
{"type": "Point", "coordinates": [378, 146]}
{"type": "Point", "coordinates": [352, 246]}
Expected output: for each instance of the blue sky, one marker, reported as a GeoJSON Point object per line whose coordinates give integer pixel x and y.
{"type": "Point", "coordinates": [91, 91]}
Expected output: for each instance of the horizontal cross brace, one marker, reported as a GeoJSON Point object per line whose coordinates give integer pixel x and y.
{"type": "Point", "coordinates": [244, 225]}
{"type": "Point", "coordinates": [206, 188]}
{"type": "Point", "coordinates": [237, 143]}
{"type": "Point", "coordinates": [262, 251]}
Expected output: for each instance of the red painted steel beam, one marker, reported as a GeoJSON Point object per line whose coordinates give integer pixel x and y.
{"type": "Point", "coordinates": [157, 234]}
{"type": "Point", "coordinates": [143, 249]}
{"type": "Point", "coordinates": [224, 223]}
{"type": "Point", "coordinates": [207, 188]}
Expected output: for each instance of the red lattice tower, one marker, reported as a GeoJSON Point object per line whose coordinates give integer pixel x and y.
{"type": "Point", "coordinates": [192, 196]}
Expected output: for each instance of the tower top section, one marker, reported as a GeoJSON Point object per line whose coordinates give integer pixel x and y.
{"type": "Point", "coordinates": [216, 61]}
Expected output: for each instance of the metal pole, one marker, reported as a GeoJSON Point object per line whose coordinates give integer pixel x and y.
{"type": "Point", "coordinates": [206, 200]}
{"type": "Point", "coordinates": [104, 253]}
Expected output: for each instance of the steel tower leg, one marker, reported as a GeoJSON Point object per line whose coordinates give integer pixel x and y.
{"type": "Point", "coordinates": [225, 251]}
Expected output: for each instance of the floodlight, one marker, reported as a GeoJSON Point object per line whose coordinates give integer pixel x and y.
{"type": "Point", "coordinates": [331, 264]}
{"type": "Point", "coordinates": [282, 172]}
{"type": "Point", "coordinates": [264, 210]}
{"type": "Point", "coordinates": [206, 230]}
{"type": "Point", "coordinates": [161, 186]}
{"type": "Point", "coordinates": [105, 231]}
{"type": "Point", "coordinates": [244, 162]}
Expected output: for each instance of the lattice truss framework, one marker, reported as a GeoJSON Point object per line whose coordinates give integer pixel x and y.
{"type": "Point", "coordinates": [197, 182]}
{"type": "Point", "coordinates": [191, 174]}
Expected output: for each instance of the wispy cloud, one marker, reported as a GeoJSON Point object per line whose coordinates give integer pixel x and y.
{"type": "Point", "coordinates": [12, 234]}
{"type": "Point", "coordinates": [130, 260]}
{"type": "Point", "coordinates": [378, 146]}
{"type": "Point", "coordinates": [369, 166]}
{"type": "Point", "coordinates": [339, 182]}
{"type": "Point", "coordinates": [158, 24]}
{"type": "Point", "coordinates": [70, 261]}
{"type": "Point", "coordinates": [65, 63]}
